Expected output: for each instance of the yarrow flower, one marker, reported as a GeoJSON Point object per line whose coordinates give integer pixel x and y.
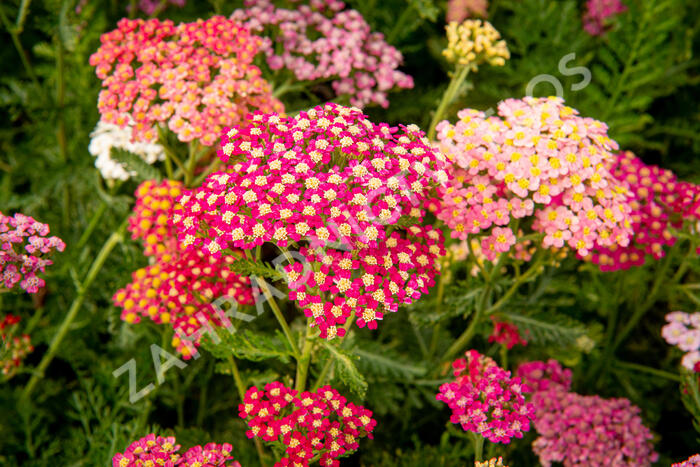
{"type": "Point", "coordinates": [321, 424]}
{"type": "Point", "coordinates": [474, 42]}
{"type": "Point", "coordinates": [14, 347]}
{"type": "Point", "coordinates": [194, 77]}
{"type": "Point", "coordinates": [24, 248]}
{"type": "Point", "coordinates": [538, 159]}
{"type": "Point", "coordinates": [151, 7]}
{"type": "Point", "coordinates": [692, 461]}
{"type": "Point", "coordinates": [577, 430]}
{"type": "Point", "coordinates": [327, 178]}
{"type": "Point", "coordinates": [180, 286]}
{"type": "Point", "coordinates": [322, 42]}
{"type": "Point", "coordinates": [486, 400]}
{"type": "Point", "coordinates": [683, 331]}
{"type": "Point", "coordinates": [660, 204]}
{"type": "Point", "coordinates": [506, 333]}
{"type": "Point", "coordinates": [597, 15]}
{"type": "Point", "coordinates": [494, 462]}
{"type": "Point", "coordinates": [106, 136]}
{"type": "Point", "coordinates": [152, 450]}
{"type": "Point", "coordinates": [459, 10]}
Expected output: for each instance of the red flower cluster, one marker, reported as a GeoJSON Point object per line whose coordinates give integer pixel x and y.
{"type": "Point", "coordinates": [13, 346]}
{"type": "Point", "coordinates": [660, 203]}
{"type": "Point", "coordinates": [153, 450]}
{"type": "Point", "coordinates": [506, 333]}
{"type": "Point", "coordinates": [329, 178]}
{"type": "Point", "coordinates": [577, 430]}
{"type": "Point", "coordinates": [485, 399]}
{"type": "Point", "coordinates": [194, 77]}
{"type": "Point", "coordinates": [20, 262]}
{"type": "Point", "coordinates": [180, 286]}
{"type": "Point", "coordinates": [309, 424]}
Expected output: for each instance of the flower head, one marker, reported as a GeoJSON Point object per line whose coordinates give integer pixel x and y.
{"type": "Point", "coordinates": [486, 400]}
{"type": "Point", "coordinates": [347, 191]}
{"type": "Point", "coordinates": [310, 424]}
{"type": "Point", "coordinates": [474, 42]}
{"type": "Point", "coordinates": [506, 333]}
{"type": "Point", "coordinates": [14, 347]}
{"type": "Point", "coordinates": [321, 41]}
{"type": "Point", "coordinates": [194, 77]}
{"type": "Point", "coordinates": [493, 462]}
{"type": "Point", "coordinates": [683, 331]}
{"type": "Point", "coordinates": [152, 450]}
{"type": "Point", "coordinates": [692, 461]}
{"type": "Point", "coordinates": [24, 248]}
{"type": "Point", "coordinates": [598, 14]}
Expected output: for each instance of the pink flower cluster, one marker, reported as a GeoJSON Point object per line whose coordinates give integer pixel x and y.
{"type": "Point", "coordinates": [150, 7]}
{"type": "Point", "coordinates": [321, 424]}
{"type": "Point", "coordinates": [660, 204]}
{"type": "Point", "coordinates": [321, 42]}
{"type": "Point", "coordinates": [577, 430]}
{"type": "Point", "coordinates": [692, 461]}
{"type": "Point", "coordinates": [683, 331]}
{"type": "Point", "coordinates": [506, 333]}
{"type": "Point", "coordinates": [459, 10]}
{"type": "Point", "coordinates": [598, 12]}
{"type": "Point", "coordinates": [13, 345]}
{"type": "Point", "coordinates": [194, 77]}
{"type": "Point", "coordinates": [326, 178]}
{"type": "Point", "coordinates": [538, 158]}
{"type": "Point", "coordinates": [152, 450]}
{"type": "Point", "coordinates": [486, 400]}
{"type": "Point", "coordinates": [24, 247]}
{"type": "Point", "coordinates": [180, 286]}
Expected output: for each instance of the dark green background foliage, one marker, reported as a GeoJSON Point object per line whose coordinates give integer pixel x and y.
{"type": "Point", "coordinates": [644, 84]}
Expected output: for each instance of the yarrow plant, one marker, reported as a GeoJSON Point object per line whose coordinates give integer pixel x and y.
{"type": "Point", "coordinates": [692, 461]}
{"type": "Point", "coordinates": [14, 347]}
{"type": "Point", "coordinates": [24, 250]}
{"type": "Point", "coordinates": [319, 425]}
{"type": "Point", "coordinates": [326, 178]}
{"type": "Point", "coordinates": [486, 400]}
{"type": "Point", "coordinates": [322, 42]}
{"type": "Point", "coordinates": [195, 78]}
{"type": "Point", "coordinates": [493, 462]}
{"type": "Point", "coordinates": [577, 430]}
{"type": "Point", "coordinates": [152, 450]}
{"type": "Point", "coordinates": [506, 334]}
{"type": "Point", "coordinates": [540, 159]}
{"type": "Point", "coordinates": [459, 10]}
{"type": "Point", "coordinates": [106, 136]}
{"type": "Point", "coordinates": [179, 288]}
{"type": "Point", "coordinates": [474, 42]}
{"type": "Point", "coordinates": [598, 14]}
{"type": "Point", "coordinates": [660, 205]}
{"type": "Point", "coordinates": [683, 331]}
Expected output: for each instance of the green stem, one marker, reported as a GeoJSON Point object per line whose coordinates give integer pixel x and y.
{"type": "Point", "coordinates": [460, 74]}
{"type": "Point", "coordinates": [514, 287]}
{"type": "Point", "coordinates": [399, 25]}
{"type": "Point", "coordinates": [95, 268]}
{"type": "Point", "coordinates": [484, 272]}
{"type": "Point", "coordinates": [330, 361]}
{"type": "Point", "coordinates": [278, 314]}
{"type": "Point", "coordinates": [91, 226]}
{"type": "Point", "coordinates": [478, 447]}
{"type": "Point", "coordinates": [305, 360]}
{"type": "Point", "coordinates": [467, 335]}
{"type": "Point", "coordinates": [647, 369]}
{"type": "Point", "coordinates": [14, 34]}
{"type": "Point", "coordinates": [241, 393]}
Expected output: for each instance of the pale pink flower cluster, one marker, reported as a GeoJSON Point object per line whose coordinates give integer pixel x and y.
{"type": "Point", "coordinates": [577, 430]}
{"type": "Point", "coordinates": [24, 247]}
{"type": "Point", "coordinates": [683, 331]}
{"type": "Point", "coordinates": [152, 450]}
{"type": "Point", "coordinates": [692, 461]}
{"type": "Point", "coordinates": [598, 12]}
{"type": "Point", "coordinates": [486, 400]}
{"type": "Point", "coordinates": [459, 10]}
{"type": "Point", "coordinates": [320, 41]}
{"type": "Point", "coordinates": [539, 158]}
{"type": "Point", "coordinates": [195, 77]}
{"type": "Point", "coordinates": [345, 191]}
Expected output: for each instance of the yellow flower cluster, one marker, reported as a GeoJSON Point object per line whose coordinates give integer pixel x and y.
{"type": "Point", "coordinates": [491, 463]}
{"type": "Point", "coordinates": [474, 42]}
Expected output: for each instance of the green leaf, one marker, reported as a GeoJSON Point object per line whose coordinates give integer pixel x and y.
{"type": "Point", "coordinates": [133, 163]}
{"type": "Point", "coordinates": [426, 9]}
{"type": "Point", "coordinates": [347, 370]}
{"type": "Point", "coordinates": [248, 345]}
{"type": "Point", "coordinates": [245, 267]}
{"type": "Point", "coordinates": [546, 327]}
{"type": "Point", "coordinates": [381, 361]}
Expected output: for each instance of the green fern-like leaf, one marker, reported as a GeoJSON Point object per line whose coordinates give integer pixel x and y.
{"type": "Point", "coordinates": [133, 163]}
{"type": "Point", "coordinates": [378, 360]}
{"type": "Point", "coordinates": [245, 267]}
{"type": "Point", "coordinates": [347, 370]}
{"type": "Point", "coordinates": [546, 328]}
{"type": "Point", "coordinates": [248, 345]}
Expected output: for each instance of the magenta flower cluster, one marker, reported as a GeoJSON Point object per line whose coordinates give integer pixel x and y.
{"type": "Point", "coordinates": [322, 42]}
{"type": "Point", "coordinates": [486, 400]}
{"type": "Point", "coordinates": [24, 247]}
{"type": "Point", "coordinates": [326, 178]}
{"type": "Point", "coordinates": [598, 13]}
{"type": "Point", "coordinates": [683, 331]}
{"type": "Point", "coordinates": [152, 450]}
{"type": "Point", "coordinates": [577, 430]}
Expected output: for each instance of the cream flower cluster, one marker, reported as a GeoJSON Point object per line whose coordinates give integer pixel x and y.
{"type": "Point", "coordinates": [474, 42]}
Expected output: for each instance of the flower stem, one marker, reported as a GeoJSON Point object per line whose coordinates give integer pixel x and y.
{"type": "Point", "coordinates": [241, 393]}
{"type": "Point", "coordinates": [478, 447]}
{"type": "Point", "coordinates": [95, 268]}
{"type": "Point", "coordinates": [305, 360]}
{"type": "Point", "coordinates": [458, 77]}
{"type": "Point", "coordinates": [278, 314]}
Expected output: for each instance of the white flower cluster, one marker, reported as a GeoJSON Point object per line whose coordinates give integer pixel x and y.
{"type": "Point", "coordinates": [106, 136]}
